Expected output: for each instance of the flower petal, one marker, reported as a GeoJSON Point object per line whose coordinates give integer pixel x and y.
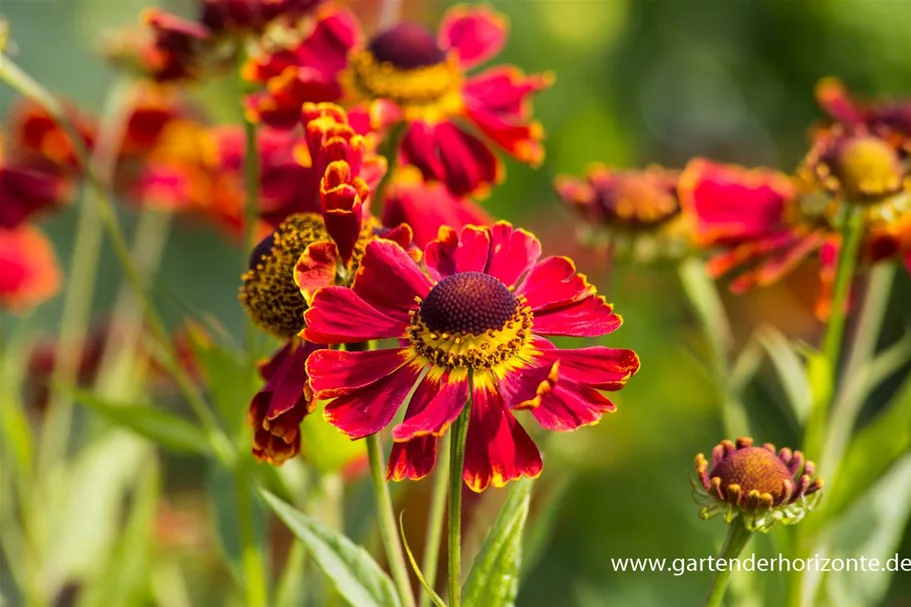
{"type": "Point", "coordinates": [497, 449]}
{"type": "Point", "coordinates": [570, 405]}
{"type": "Point", "coordinates": [413, 459]}
{"type": "Point", "coordinates": [338, 316]}
{"type": "Point", "coordinates": [523, 388]}
{"type": "Point", "coordinates": [552, 282]}
{"type": "Point", "coordinates": [513, 252]}
{"type": "Point", "coordinates": [591, 317]}
{"type": "Point", "coordinates": [505, 91]}
{"type": "Point", "coordinates": [339, 372]}
{"type": "Point", "coordinates": [521, 139]}
{"type": "Point", "coordinates": [477, 33]}
{"type": "Point", "coordinates": [435, 404]}
{"type": "Point", "coordinates": [597, 366]}
{"type": "Point", "coordinates": [371, 408]}
{"type": "Point", "coordinates": [389, 280]}
{"type": "Point", "coordinates": [29, 272]}
{"type": "Point", "coordinates": [449, 254]}
{"type": "Point", "coordinates": [316, 268]}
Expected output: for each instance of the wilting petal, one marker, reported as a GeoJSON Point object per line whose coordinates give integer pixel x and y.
{"type": "Point", "coordinates": [370, 409]}
{"type": "Point", "coordinates": [476, 33]}
{"type": "Point", "coordinates": [730, 203]}
{"type": "Point", "coordinates": [554, 282]}
{"type": "Point", "coordinates": [29, 273]}
{"type": "Point", "coordinates": [505, 91]}
{"type": "Point", "coordinates": [413, 459]}
{"type": "Point", "coordinates": [338, 316]}
{"type": "Point", "coordinates": [513, 252]}
{"type": "Point", "coordinates": [597, 366]}
{"type": "Point", "coordinates": [498, 449]}
{"type": "Point", "coordinates": [436, 403]}
{"type": "Point", "coordinates": [450, 254]}
{"type": "Point", "coordinates": [570, 405]}
{"type": "Point", "coordinates": [338, 372]}
{"type": "Point", "coordinates": [390, 280]}
{"type": "Point", "coordinates": [316, 268]}
{"type": "Point", "coordinates": [590, 317]}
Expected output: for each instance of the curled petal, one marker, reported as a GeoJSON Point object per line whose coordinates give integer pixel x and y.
{"type": "Point", "coordinates": [450, 254]}
{"type": "Point", "coordinates": [316, 268]}
{"type": "Point", "coordinates": [475, 33]}
{"type": "Point", "coordinates": [513, 252]}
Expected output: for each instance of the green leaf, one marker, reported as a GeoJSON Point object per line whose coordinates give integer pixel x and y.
{"type": "Point", "coordinates": [356, 576]}
{"type": "Point", "coordinates": [417, 569]}
{"type": "Point", "coordinates": [790, 370]}
{"type": "Point", "coordinates": [872, 528]}
{"type": "Point", "coordinates": [871, 452]}
{"type": "Point", "coordinates": [494, 577]}
{"type": "Point", "coordinates": [540, 530]}
{"type": "Point", "coordinates": [747, 364]}
{"type": "Point", "coordinates": [150, 422]}
{"type": "Point", "coordinates": [703, 295]}
{"type": "Point", "coordinates": [229, 377]}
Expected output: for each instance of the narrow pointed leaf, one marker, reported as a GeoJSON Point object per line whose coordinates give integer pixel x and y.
{"type": "Point", "coordinates": [356, 576]}
{"type": "Point", "coordinates": [494, 577]}
{"type": "Point", "coordinates": [417, 569]}
{"type": "Point", "coordinates": [790, 370]}
{"type": "Point", "coordinates": [151, 422]}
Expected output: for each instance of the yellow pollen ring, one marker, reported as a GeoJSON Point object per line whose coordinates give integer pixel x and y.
{"type": "Point", "coordinates": [465, 350]}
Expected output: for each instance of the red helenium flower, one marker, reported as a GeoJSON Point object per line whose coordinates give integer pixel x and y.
{"type": "Point", "coordinates": [890, 120]}
{"type": "Point", "coordinates": [29, 273]}
{"type": "Point", "coordinates": [476, 320]}
{"type": "Point", "coordinates": [26, 191]}
{"type": "Point", "coordinates": [408, 73]}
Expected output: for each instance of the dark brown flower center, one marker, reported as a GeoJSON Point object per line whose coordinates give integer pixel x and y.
{"type": "Point", "coordinates": [468, 303]}
{"type": "Point", "coordinates": [407, 46]}
{"type": "Point", "coordinates": [753, 468]}
{"type": "Point", "coordinates": [261, 250]}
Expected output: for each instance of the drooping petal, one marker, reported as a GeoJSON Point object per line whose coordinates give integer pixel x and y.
{"type": "Point", "coordinates": [569, 406]}
{"type": "Point", "coordinates": [389, 280]}
{"type": "Point", "coordinates": [590, 317]}
{"type": "Point", "coordinates": [450, 254]}
{"type": "Point", "coordinates": [413, 459]}
{"type": "Point", "coordinates": [316, 268]}
{"type": "Point", "coordinates": [513, 251]}
{"type": "Point", "coordinates": [338, 316]}
{"type": "Point", "coordinates": [729, 203]}
{"type": "Point", "coordinates": [498, 449]}
{"type": "Point", "coordinates": [436, 403]}
{"type": "Point", "coordinates": [596, 366]}
{"type": "Point", "coordinates": [339, 372]}
{"type": "Point", "coordinates": [370, 409]}
{"type": "Point", "coordinates": [477, 33]}
{"type": "Point", "coordinates": [554, 282]}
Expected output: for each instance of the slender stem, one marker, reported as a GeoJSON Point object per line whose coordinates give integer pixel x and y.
{"type": "Point", "coordinates": [456, 464]}
{"type": "Point", "coordinates": [737, 538]}
{"type": "Point", "coordinates": [251, 552]}
{"type": "Point", "coordinates": [706, 303]}
{"type": "Point", "coordinates": [125, 329]}
{"type": "Point", "coordinates": [22, 82]}
{"type": "Point", "coordinates": [852, 229]}
{"type": "Point", "coordinates": [435, 520]}
{"type": "Point", "coordinates": [388, 530]}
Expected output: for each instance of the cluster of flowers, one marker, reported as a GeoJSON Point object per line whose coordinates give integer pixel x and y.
{"type": "Point", "coordinates": [760, 223]}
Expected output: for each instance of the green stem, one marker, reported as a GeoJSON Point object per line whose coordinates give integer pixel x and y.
{"type": "Point", "coordinates": [456, 464]}
{"type": "Point", "coordinates": [852, 229]}
{"type": "Point", "coordinates": [251, 552]}
{"type": "Point", "coordinates": [22, 82]}
{"type": "Point", "coordinates": [737, 538]}
{"type": "Point", "coordinates": [388, 530]}
{"type": "Point", "coordinates": [435, 520]}
{"type": "Point", "coordinates": [706, 303]}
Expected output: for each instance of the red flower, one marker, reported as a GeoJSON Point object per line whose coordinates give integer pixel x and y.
{"type": "Point", "coordinates": [29, 274]}
{"type": "Point", "coordinates": [29, 190]}
{"type": "Point", "coordinates": [890, 120]}
{"type": "Point", "coordinates": [251, 16]}
{"type": "Point", "coordinates": [633, 211]}
{"type": "Point", "coordinates": [279, 407]}
{"type": "Point", "coordinates": [476, 319]}
{"type": "Point", "coordinates": [427, 206]}
{"type": "Point", "coordinates": [409, 74]}
{"type": "Point", "coordinates": [34, 133]}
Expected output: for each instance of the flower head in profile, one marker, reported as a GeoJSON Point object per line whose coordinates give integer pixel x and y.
{"type": "Point", "coordinates": [409, 74]}
{"type": "Point", "coordinates": [472, 327]}
{"type": "Point", "coordinates": [887, 119]}
{"type": "Point", "coordinates": [29, 272]}
{"type": "Point", "coordinates": [635, 212]}
{"type": "Point", "coordinates": [757, 484]}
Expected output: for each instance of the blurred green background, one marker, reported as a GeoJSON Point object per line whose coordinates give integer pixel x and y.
{"type": "Point", "coordinates": [637, 83]}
